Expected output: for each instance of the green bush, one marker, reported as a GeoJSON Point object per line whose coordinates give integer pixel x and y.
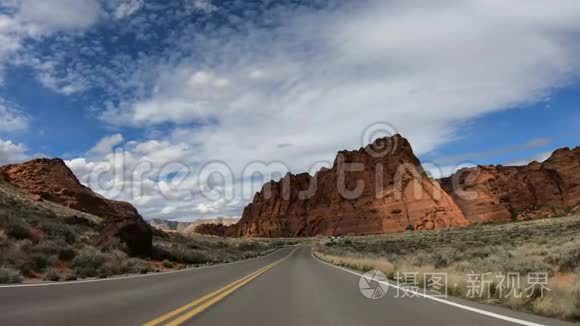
{"type": "Point", "coordinates": [40, 261]}
{"type": "Point", "coordinates": [9, 275]}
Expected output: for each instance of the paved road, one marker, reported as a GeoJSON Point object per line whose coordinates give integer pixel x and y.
{"type": "Point", "coordinates": [289, 287]}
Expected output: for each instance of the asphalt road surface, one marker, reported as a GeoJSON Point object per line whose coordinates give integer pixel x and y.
{"type": "Point", "coordinates": [289, 287]}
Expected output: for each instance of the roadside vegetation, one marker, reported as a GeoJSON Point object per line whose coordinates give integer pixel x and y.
{"type": "Point", "coordinates": [41, 241]}
{"type": "Point", "coordinates": [549, 246]}
{"type": "Point", "coordinates": [195, 249]}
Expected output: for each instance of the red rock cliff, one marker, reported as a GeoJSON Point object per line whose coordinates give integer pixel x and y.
{"type": "Point", "coordinates": [496, 193]}
{"type": "Point", "coordinates": [395, 194]}
{"type": "Point", "coordinates": [52, 180]}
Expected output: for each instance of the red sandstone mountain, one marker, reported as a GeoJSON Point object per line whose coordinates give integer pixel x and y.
{"type": "Point", "coordinates": [217, 229]}
{"type": "Point", "coordinates": [52, 180]}
{"type": "Point", "coordinates": [496, 193]}
{"type": "Point", "coordinates": [386, 204]}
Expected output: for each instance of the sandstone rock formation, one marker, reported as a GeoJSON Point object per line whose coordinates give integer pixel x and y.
{"type": "Point", "coordinates": [52, 180]}
{"type": "Point", "coordinates": [381, 188]}
{"type": "Point", "coordinates": [219, 230]}
{"type": "Point", "coordinates": [500, 193]}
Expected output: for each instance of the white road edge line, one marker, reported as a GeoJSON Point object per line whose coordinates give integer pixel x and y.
{"type": "Point", "coordinates": [133, 276]}
{"type": "Point", "coordinates": [457, 305]}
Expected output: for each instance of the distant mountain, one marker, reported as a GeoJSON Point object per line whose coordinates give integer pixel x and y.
{"type": "Point", "coordinates": [188, 227]}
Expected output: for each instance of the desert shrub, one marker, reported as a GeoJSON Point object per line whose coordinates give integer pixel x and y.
{"type": "Point", "coordinates": [110, 268]}
{"type": "Point", "coordinates": [194, 246]}
{"type": "Point", "coordinates": [13, 256]}
{"type": "Point", "coordinates": [70, 277]}
{"type": "Point", "coordinates": [524, 266]}
{"type": "Point", "coordinates": [88, 263]}
{"type": "Point", "coordinates": [249, 246]}
{"type": "Point", "coordinates": [15, 228]}
{"type": "Point", "coordinates": [168, 264]}
{"type": "Point", "coordinates": [52, 274]}
{"type": "Point", "coordinates": [136, 265]}
{"type": "Point", "coordinates": [93, 263]}
{"type": "Point", "coordinates": [40, 261]}
{"type": "Point", "coordinates": [79, 221]}
{"type": "Point", "coordinates": [62, 231]}
{"type": "Point", "coordinates": [66, 254]}
{"type": "Point", "coordinates": [9, 275]}
{"type": "Point", "coordinates": [180, 254]}
{"type": "Point", "coordinates": [49, 247]}
{"type": "Point", "coordinates": [115, 245]}
{"type": "Point", "coordinates": [568, 259]}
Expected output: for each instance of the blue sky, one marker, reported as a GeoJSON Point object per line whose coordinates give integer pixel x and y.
{"type": "Point", "coordinates": [105, 83]}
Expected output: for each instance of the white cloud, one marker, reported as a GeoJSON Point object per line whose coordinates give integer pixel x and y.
{"type": "Point", "coordinates": [127, 8]}
{"type": "Point", "coordinates": [23, 20]}
{"type": "Point", "coordinates": [153, 175]}
{"type": "Point", "coordinates": [540, 157]}
{"type": "Point", "coordinates": [11, 119]}
{"type": "Point", "coordinates": [106, 145]}
{"type": "Point", "coordinates": [11, 152]}
{"type": "Point", "coordinates": [54, 15]}
{"type": "Point", "coordinates": [317, 79]}
{"type": "Point", "coordinates": [204, 5]}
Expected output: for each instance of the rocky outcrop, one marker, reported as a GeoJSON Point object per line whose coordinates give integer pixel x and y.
{"type": "Point", "coordinates": [381, 188]}
{"type": "Point", "coordinates": [219, 230]}
{"type": "Point", "coordinates": [500, 193]}
{"type": "Point", "coordinates": [52, 180]}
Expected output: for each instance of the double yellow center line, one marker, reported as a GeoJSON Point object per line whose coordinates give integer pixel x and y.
{"type": "Point", "coordinates": [190, 310]}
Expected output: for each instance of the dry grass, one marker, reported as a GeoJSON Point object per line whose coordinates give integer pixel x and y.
{"type": "Point", "coordinates": [45, 241]}
{"type": "Point", "coordinates": [551, 245]}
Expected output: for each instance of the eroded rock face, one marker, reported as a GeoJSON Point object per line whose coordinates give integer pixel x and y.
{"type": "Point", "coordinates": [219, 230]}
{"type": "Point", "coordinates": [501, 193]}
{"type": "Point", "coordinates": [52, 180]}
{"type": "Point", "coordinates": [378, 189]}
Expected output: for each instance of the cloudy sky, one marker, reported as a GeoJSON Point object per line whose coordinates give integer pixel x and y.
{"type": "Point", "coordinates": [145, 98]}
